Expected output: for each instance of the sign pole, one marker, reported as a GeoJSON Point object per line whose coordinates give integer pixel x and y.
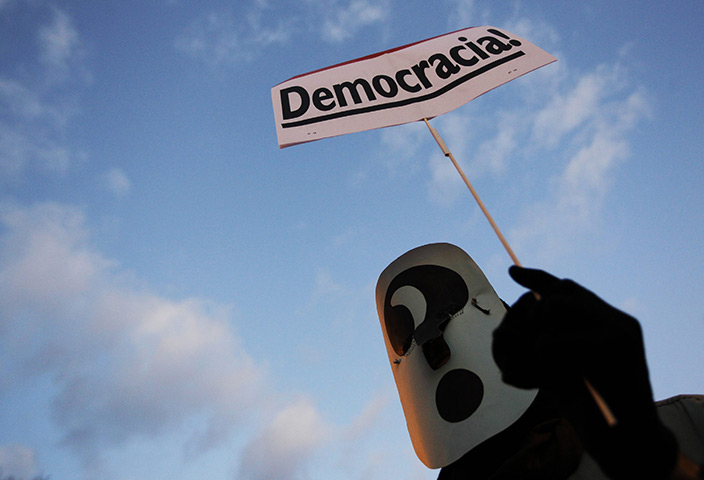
{"type": "Point", "coordinates": [448, 154]}
{"type": "Point", "coordinates": [600, 402]}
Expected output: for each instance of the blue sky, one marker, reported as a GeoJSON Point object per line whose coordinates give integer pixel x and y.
{"type": "Point", "coordinates": [181, 299]}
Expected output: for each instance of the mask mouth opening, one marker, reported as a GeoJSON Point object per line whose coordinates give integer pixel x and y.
{"type": "Point", "coordinates": [436, 352]}
{"type": "Point", "coordinates": [458, 395]}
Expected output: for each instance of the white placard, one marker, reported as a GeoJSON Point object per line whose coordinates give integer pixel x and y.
{"type": "Point", "coordinates": [405, 84]}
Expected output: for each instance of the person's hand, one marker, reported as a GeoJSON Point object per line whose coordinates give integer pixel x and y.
{"type": "Point", "coordinates": [565, 334]}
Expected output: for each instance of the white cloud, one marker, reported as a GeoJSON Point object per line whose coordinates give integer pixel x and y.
{"type": "Point", "coordinates": [445, 185]}
{"type": "Point", "coordinates": [225, 38]}
{"type": "Point", "coordinates": [59, 43]}
{"type": "Point", "coordinates": [487, 152]}
{"type": "Point", "coordinates": [342, 22]}
{"type": "Point", "coordinates": [239, 34]}
{"type": "Point", "coordinates": [366, 421]}
{"type": "Point", "coordinates": [31, 131]}
{"type": "Point", "coordinates": [34, 113]}
{"type": "Point", "coordinates": [117, 182]}
{"type": "Point", "coordinates": [283, 447]}
{"type": "Point", "coordinates": [593, 120]}
{"type": "Point", "coordinates": [18, 461]}
{"type": "Point", "coordinates": [537, 32]}
{"type": "Point", "coordinates": [131, 367]}
{"type": "Point", "coordinates": [45, 259]}
{"type": "Point", "coordinates": [494, 153]}
{"type": "Point", "coordinates": [466, 14]}
{"type": "Point", "coordinates": [213, 38]}
{"type": "Point", "coordinates": [125, 363]}
{"type": "Point", "coordinates": [24, 104]}
{"type": "Point", "coordinates": [403, 143]}
{"type": "Point", "coordinates": [325, 284]}
{"type": "Point", "coordinates": [563, 152]}
{"type": "Point", "coordinates": [572, 109]}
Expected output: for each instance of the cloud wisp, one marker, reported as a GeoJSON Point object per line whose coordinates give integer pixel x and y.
{"type": "Point", "coordinates": [35, 110]}
{"type": "Point", "coordinates": [342, 21]}
{"type": "Point", "coordinates": [18, 461]}
{"type": "Point", "coordinates": [593, 120]}
{"type": "Point", "coordinates": [117, 182]}
{"type": "Point", "coordinates": [228, 37]}
{"type": "Point", "coordinates": [61, 49]}
{"type": "Point", "coordinates": [283, 446]}
{"type": "Point", "coordinates": [589, 118]}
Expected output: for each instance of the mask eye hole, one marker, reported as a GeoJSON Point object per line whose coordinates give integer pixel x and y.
{"type": "Point", "coordinates": [399, 327]}
{"type": "Point", "coordinates": [439, 294]}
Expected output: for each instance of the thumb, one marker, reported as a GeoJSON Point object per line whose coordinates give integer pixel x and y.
{"type": "Point", "coordinates": [538, 281]}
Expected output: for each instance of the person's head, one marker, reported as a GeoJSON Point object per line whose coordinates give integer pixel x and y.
{"type": "Point", "coordinates": [437, 312]}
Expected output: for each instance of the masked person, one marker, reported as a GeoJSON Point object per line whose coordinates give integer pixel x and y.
{"type": "Point", "coordinates": [523, 411]}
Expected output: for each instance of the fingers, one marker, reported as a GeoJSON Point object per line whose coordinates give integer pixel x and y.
{"type": "Point", "coordinates": [538, 281]}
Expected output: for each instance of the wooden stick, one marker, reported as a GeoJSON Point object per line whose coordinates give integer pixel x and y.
{"type": "Point", "coordinates": [448, 154]}
{"type": "Point", "coordinates": [601, 403]}
{"type": "Point", "coordinates": [605, 410]}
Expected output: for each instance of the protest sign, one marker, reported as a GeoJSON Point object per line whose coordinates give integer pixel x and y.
{"type": "Point", "coordinates": [406, 84]}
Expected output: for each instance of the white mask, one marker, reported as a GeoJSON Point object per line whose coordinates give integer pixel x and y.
{"type": "Point", "coordinates": [437, 313]}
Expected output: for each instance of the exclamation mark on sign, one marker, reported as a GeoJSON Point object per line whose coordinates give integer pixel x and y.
{"type": "Point", "coordinates": [512, 41]}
